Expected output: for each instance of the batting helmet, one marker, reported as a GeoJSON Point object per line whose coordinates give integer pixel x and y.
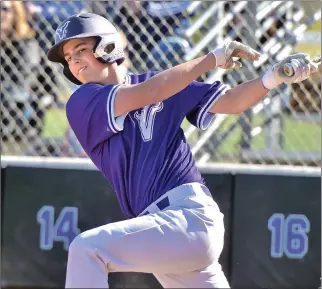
{"type": "Point", "coordinates": [108, 48]}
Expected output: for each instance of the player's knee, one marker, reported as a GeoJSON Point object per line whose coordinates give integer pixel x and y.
{"type": "Point", "coordinates": [80, 243]}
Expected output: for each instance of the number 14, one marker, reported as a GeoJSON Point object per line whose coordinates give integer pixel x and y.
{"type": "Point", "coordinates": [64, 229]}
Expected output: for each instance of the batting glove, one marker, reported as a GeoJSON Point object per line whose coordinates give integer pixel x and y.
{"type": "Point", "coordinates": [302, 69]}
{"type": "Point", "coordinates": [224, 55]}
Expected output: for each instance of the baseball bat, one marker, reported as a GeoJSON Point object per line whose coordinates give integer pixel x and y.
{"type": "Point", "coordinates": [289, 70]}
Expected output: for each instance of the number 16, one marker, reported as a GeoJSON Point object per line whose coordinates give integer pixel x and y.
{"type": "Point", "coordinates": [289, 235]}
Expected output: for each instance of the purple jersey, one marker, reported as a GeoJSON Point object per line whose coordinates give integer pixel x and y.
{"type": "Point", "coordinates": [144, 153]}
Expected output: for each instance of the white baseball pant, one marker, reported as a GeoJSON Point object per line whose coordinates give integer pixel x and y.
{"type": "Point", "coordinates": [179, 245]}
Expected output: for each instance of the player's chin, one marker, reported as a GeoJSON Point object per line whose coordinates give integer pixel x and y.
{"type": "Point", "coordinates": [84, 80]}
{"type": "Point", "coordinates": [86, 77]}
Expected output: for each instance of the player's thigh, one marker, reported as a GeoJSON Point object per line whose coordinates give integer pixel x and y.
{"type": "Point", "coordinates": [209, 277]}
{"type": "Point", "coordinates": [157, 243]}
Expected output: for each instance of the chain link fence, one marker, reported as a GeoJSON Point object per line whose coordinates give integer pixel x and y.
{"type": "Point", "coordinates": [285, 128]}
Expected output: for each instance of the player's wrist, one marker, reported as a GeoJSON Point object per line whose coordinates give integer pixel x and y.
{"type": "Point", "coordinates": [270, 80]}
{"type": "Point", "coordinates": [213, 59]}
{"type": "Point", "coordinates": [219, 55]}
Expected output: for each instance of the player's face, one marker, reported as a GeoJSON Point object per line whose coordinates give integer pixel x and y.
{"type": "Point", "coordinates": [84, 66]}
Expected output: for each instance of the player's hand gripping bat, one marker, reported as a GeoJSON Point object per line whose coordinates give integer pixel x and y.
{"type": "Point", "coordinates": [293, 69]}
{"type": "Point", "coordinates": [316, 61]}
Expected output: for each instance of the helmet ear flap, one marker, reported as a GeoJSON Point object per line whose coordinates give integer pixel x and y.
{"type": "Point", "coordinates": [70, 76]}
{"type": "Point", "coordinates": [109, 49]}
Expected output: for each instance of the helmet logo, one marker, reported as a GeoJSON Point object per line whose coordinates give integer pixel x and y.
{"type": "Point", "coordinates": [62, 31]}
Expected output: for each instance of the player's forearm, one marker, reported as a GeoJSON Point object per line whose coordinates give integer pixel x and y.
{"type": "Point", "coordinates": [173, 80]}
{"type": "Point", "coordinates": [241, 97]}
{"type": "Point", "coordinates": [161, 86]}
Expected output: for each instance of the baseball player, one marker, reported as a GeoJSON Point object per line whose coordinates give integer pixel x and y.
{"type": "Point", "coordinates": [129, 126]}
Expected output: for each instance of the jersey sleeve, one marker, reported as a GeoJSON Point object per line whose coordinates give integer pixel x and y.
{"type": "Point", "coordinates": [90, 112]}
{"type": "Point", "coordinates": [199, 98]}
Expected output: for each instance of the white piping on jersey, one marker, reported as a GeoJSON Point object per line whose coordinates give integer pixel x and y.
{"type": "Point", "coordinates": [201, 116]}
{"type": "Point", "coordinates": [115, 123]}
{"type": "Point", "coordinates": [127, 79]}
{"type": "Point", "coordinates": [110, 109]}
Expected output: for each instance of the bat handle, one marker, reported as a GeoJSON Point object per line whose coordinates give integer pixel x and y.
{"type": "Point", "coordinates": [288, 69]}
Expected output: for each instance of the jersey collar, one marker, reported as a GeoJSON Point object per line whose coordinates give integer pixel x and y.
{"type": "Point", "coordinates": [127, 79]}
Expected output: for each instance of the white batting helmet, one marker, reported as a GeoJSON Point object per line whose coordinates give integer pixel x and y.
{"type": "Point", "coordinates": [108, 48]}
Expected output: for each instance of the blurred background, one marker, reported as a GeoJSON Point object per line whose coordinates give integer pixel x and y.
{"type": "Point", "coordinates": [285, 128]}
{"type": "Point", "coordinates": [61, 196]}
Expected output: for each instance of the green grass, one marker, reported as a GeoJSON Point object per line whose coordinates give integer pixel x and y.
{"type": "Point", "coordinates": [55, 123]}
{"type": "Point", "coordinates": [298, 135]}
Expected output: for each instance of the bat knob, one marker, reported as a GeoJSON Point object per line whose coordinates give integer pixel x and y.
{"type": "Point", "coordinates": [288, 69]}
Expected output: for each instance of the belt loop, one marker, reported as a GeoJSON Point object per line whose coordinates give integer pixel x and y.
{"type": "Point", "coordinates": [164, 203]}
{"type": "Point", "coordinates": [183, 191]}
